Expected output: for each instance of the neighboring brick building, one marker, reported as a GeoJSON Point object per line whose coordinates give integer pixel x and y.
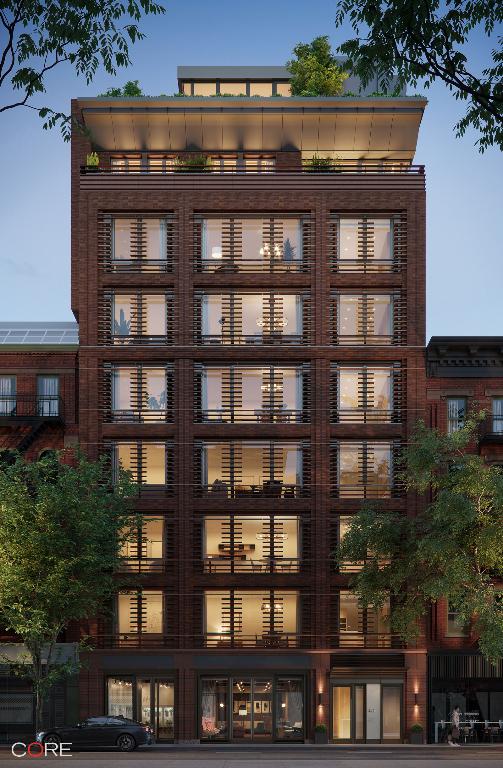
{"type": "Point", "coordinates": [252, 348]}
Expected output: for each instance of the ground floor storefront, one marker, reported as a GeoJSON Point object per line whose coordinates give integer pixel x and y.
{"type": "Point", "coordinates": [241, 697]}
{"type": "Point", "coordinates": [475, 685]}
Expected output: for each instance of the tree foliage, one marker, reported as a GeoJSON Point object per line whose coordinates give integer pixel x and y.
{"type": "Point", "coordinates": [452, 550]}
{"type": "Point", "coordinates": [39, 35]}
{"type": "Point", "coordinates": [130, 89]}
{"type": "Point", "coordinates": [424, 41]}
{"type": "Point", "coordinates": [315, 70]}
{"type": "Point", "coordinates": [61, 528]}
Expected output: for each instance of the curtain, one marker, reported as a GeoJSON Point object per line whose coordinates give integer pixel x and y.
{"type": "Point", "coordinates": [498, 415]}
{"type": "Point", "coordinates": [48, 391]}
{"type": "Point", "coordinates": [7, 395]}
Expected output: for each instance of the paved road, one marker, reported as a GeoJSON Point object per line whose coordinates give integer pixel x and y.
{"type": "Point", "coordinates": [279, 757]}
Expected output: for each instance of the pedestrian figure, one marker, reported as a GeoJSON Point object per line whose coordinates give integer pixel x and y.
{"type": "Point", "coordinates": [453, 740]}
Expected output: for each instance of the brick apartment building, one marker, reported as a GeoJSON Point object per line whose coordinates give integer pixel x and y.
{"type": "Point", "coordinates": [252, 347]}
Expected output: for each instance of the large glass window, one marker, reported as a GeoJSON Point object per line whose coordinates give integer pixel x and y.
{"type": "Point", "coordinates": [360, 626]}
{"type": "Point", "coordinates": [251, 319]}
{"type": "Point", "coordinates": [391, 712]}
{"type": "Point", "coordinates": [258, 544]}
{"type": "Point", "coordinates": [140, 393]}
{"type": "Point", "coordinates": [145, 551]}
{"type": "Point", "coordinates": [252, 468]}
{"type": "Point", "coordinates": [205, 89]}
{"type": "Point", "coordinates": [270, 244]}
{"type": "Point", "coordinates": [125, 164]}
{"type": "Point", "coordinates": [231, 89]}
{"type": "Point", "coordinates": [456, 627]}
{"type": "Point", "coordinates": [260, 89]}
{"type": "Point", "coordinates": [139, 317]}
{"type": "Point", "coordinates": [140, 613]}
{"type": "Point", "coordinates": [364, 393]}
{"type": "Point", "coordinates": [364, 319]}
{"type": "Point", "coordinates": [120, 697]}
{"type": "Point", "coordinates": [7, 395]}
{"type": "Point", "coordinates": [364, 469]}
{"type": "Point", "coordinates": [365, 245]}
{"type": "Point", "coordinates": [289, 709]}
{"type": "Point", "coordinates": [456, 413]}
{"type": "Point", "coordinates": [252, 393]}
{"type": "Point", "coordinates": [214, 708]}
{"type": "Point", "coordinates": [139, 240]}
{"type": "Point", "coordinates": [257, 619]}
{"type": "Point", "coordinates": [146, 461]}
{"type": "Point", "coordinates": [341, 712]}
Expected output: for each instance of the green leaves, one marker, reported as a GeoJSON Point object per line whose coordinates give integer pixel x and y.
{"type": "Point", "coordinates": [39, 36]}
{"type": "Point", "coordinates": [453, 550]}
{"type": "Point", "coordinates": [62, 528]}
{"type": "Point", "coordinates": [423, 41]}
{"type": "Point", "coordinates": [315, 71]}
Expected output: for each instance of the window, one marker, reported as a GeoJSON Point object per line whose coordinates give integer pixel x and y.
{"type": "Point", "coordinates": [231, 89]}
{"type": "Point", "coordinates": [258, 245]}
{"type": "Point", "coordinates": [48, 395]}
{"type": "Point", "coordinates": [265, 544]}
{"type": "Point", "coordinates": [282, 89]}
{"type": "Point", "coordinates": [7, 395]}
{"type": "Point", "coordinates": [150, 463]}
{"type": "Point", "coordinates": [364, 469]}
{"type": "Point", "coordinates": [497, 404]}
{"type": "Point", "coordinates": [456, 627]}
{"type": "Point", "coordinates": [364, 319]}
{"type": "Point", "coordinates": [364, 245]}
{"type": "Point", "coordinates": [267, 618]}
{"type": "Point", "coordinates": [125, 164]}
{"type": "Point", "coordinates": [214, 708]}
{"type": "Point", "coordinates": [261, 318]}
{"type": "Point", "coordinates": [139, 243]}
{"type": "Point", "coordinates": [140, 318]}
{"type": "Point", "coordinates": [362, 626]}
{"type": "Point", "coordinates": [145, 551]}
{"type": "Point", "coordinates": [244, 469]}
{"type": "Point", "coordinates": [205, 89]}
{"type": "Point", "coordinates": [260, 89]}
{"type": "Point", "coordinates": [141, 393]}
{"type": "Point", "coordinates": [251, 393]}
{"type": "Point", "coordinates": [140, 613]}
{"type": "Point", "coordinates": [365, 393]}
{"type": "Point", "coordinates": [289, 709]}
{"type": "Point", "coordinates": [456, 412]}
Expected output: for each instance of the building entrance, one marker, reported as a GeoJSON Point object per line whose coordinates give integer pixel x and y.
{"type": "Point", "coordinates": [150, 700]}
{"type": "Point", "coordinates": [366, 712]}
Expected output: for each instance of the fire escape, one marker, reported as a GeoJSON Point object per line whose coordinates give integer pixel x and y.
{"type": "Point", "coordinates": [26, 416]}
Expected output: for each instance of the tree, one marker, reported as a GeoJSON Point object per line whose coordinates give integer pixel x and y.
{"type": "Point", "coordinates": [421, 42]}
{"type": "Point", "coordinates": [132, 88]}
{"type": "Point", "coordinates": [61, 528]}
{"type": "Point", "coordinates": [40, 35]}
{"type": "Point", "coordinates": [315, 71]}
{"type": "Point", "coordinates": [453, 549]}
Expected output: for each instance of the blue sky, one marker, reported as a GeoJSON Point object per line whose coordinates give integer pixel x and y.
{"type": "Point", "coordinates": [464, 188]}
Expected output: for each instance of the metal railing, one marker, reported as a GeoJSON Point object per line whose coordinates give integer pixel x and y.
{"type": "Point", "coordinates": [363, 416]}
{"type": "Point", "coordinates": [143, 565]}
{"type": "Point", "coordinates": [140, 416]}
{"type": "Point", "coordinates": [257, 415]}
{"type": "Point", "coordinates": [242, 564]}
{"type": "Point", "coordinates": [230, 266]}
{"type": "Point", "coordinates": [365, 491]}
{"type": "Point", "coordinates": [362, 639]}
{"type": "Point", "coordinates": [30, 407]}
{"type": "Point", "coordinates": [272, 489]}
{"type": "Point", "coordinates": [255, 339]}
{"type": "Point", "coordinates": [345, 167]}
{"type": "Point", "coordinates": [491, 428]}
{"type": "Point", "coordinates": [264, 640]}
{"type": "Point", "coordinates": [366, 266]}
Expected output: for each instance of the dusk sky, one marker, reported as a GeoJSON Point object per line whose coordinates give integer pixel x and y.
{"type": "Point", "coordinates": [464, 188]}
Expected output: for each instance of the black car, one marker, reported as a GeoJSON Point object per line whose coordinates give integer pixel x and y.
{"type": "Point", "coordinates": [100, 732]}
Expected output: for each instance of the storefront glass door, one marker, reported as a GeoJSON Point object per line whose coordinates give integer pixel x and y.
{"type": "Point", "coordinates": [252, 709]}
{"type": "Point", "coordinates": [155, 707]}
{"type": "Point", "coordinates": [366, 712]}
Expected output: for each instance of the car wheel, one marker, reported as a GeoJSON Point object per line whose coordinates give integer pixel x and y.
{"type": "Point", "coordinates": [126, 743]}
{"type": "Point", "coordinates": [51, 738]}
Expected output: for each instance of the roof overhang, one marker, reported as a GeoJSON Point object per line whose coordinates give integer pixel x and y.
{"type": "Point", "coordinates": [352, 128]}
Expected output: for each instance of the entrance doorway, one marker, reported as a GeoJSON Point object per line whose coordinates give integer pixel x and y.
{"type": "Point", "coordinates": [364, 712]}
{"type": "Point", "coordinates": [156, 707]}
{"type": "Point", "coordinates": [252, 709]}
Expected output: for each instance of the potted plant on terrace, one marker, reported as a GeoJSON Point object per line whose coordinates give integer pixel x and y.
{"type": "Point", "coordinates": [416, 734]}
{"type": "Point", "coordinates": [92, 161]}
{"type": "Point", "coordinates": [193, 164]}
{"type": "Point", "coordinates": [321, 734]}
{"type": "Point", "coordinates": [317, 164]}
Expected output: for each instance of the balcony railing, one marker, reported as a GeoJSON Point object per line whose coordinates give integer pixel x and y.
{"type": "Point", "coordinates": [365, 640]}
{"type": "Point", "coordinates": [257, 415]}
{"type": "Point", "coordinates": [242, 564]}
{"type": "Point", "coordinates": [384, 490]}
{"type": "Point", "coordinates": [251, 168]}
{"type": "Point", "coordinates": [246, 339]}
{"type": "Point", "coordinates": [272, 489]}
{"type": "Point", "coordinates": [233, 266]}
{"type": "Point", "coordinates": [264, 640]}
{"type": "Point", "coordinates": [143, 565]}
{"type": "Point", "coordinates": [140, 416]}
{"type": "Point", "coordinates": [30, 407]}
{"type": "Point", "coordinates": [364, 416]}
